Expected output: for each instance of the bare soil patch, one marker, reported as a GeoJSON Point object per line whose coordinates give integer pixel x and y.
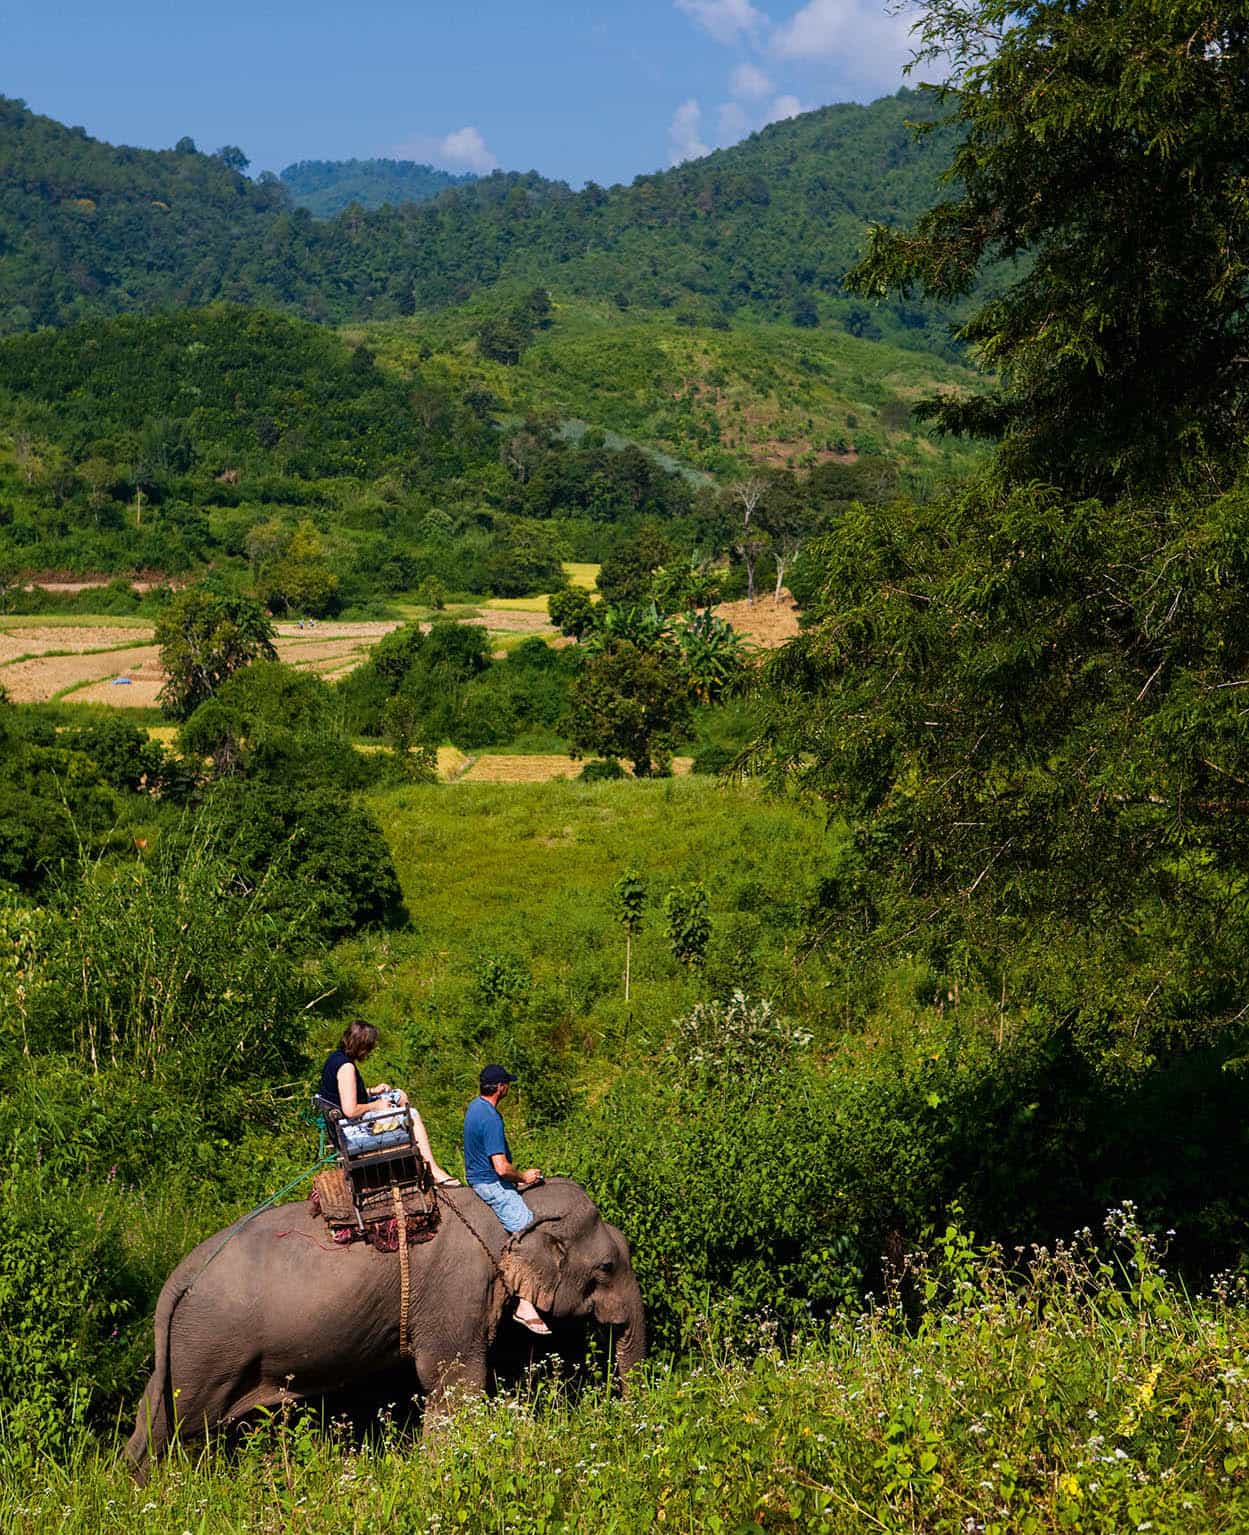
{"type": "Point", "coordinates": [514, 621]}
{"type": "Point", "coordinates": [327, 629]}
{"type": "Point", "coordinates": [537, 769]}
{"type": "Point", "coordinates": [70, 586]}
{"type": "Point", "coordinates": [769, 624]}
{"type": "Point", "coordinates": [37, 639]}
{"type": "Point", "coordinates": [519, 769]}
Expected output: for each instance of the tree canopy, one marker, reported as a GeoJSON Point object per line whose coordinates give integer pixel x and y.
{"type": "Point", "coordinates": [206, 634]}
{"type": "Point", "coordinates": [1101, 147]}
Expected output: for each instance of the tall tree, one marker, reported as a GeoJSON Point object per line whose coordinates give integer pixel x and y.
{"type": "Point", "coordinates": [1104, 142]}
{"type": "Point", "coordinates": [750, 539]}
{"type": "Point", "coordinates": [205, 634]}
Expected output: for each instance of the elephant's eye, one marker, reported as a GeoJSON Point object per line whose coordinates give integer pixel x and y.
{"type": "Point", "coordinates": [606, 1265]}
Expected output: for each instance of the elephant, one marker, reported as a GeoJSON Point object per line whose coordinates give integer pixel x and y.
{"type": "Point", "coordinates": [270, 1311]}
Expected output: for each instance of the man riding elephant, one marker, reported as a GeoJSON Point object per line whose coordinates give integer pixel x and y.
{"type": "Point", "coordinates": [491, 1175]}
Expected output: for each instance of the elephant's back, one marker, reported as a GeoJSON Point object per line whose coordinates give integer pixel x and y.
{"type": "Point", "coordinates": [257, 1239]}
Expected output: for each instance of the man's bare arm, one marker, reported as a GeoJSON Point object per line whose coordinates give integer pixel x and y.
{"type": "Point", "coordinates": [504, 1169]}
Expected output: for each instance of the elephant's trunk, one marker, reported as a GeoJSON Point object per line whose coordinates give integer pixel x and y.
{"type": "Point", "coordinates": [630, 1342]}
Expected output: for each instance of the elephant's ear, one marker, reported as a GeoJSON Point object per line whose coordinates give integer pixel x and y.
{"type": "Point", "coordinates": [533, 1268]}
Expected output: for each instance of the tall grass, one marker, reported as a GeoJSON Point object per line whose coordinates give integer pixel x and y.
{"type": "Point", "coordinates": [1084, 1391]}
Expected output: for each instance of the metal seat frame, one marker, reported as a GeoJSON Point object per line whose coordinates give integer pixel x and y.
{"type": "Point", "coordinates": [367, 1171]}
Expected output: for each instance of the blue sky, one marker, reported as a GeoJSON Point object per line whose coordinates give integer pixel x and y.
{"type": "Point", "coordinates": [581, 91]}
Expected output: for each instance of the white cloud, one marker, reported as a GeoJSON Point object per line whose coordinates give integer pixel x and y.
{"type": "Point", "coordinates": [724, 19]}
{"type": "Point", "coordinates": [463, 150]}
{"type": "Point", "coordinates": [749, 83]}
{"type": "Point", "coordinates": [870, 43]}
{"type": "Point", "coordinates": [683, 136]}
{"type": "Point", "coordinates": [783, 107]}
{"type": "Point", "coordinates": [466, 147]}
{"type": "Point", "coordinates": [734, 121]}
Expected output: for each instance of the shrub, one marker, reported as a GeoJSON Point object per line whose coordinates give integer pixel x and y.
{"type": "Point", "coordinates": [315, 858]}
{"type": "Point", "coordinates": [179, 969]}
{"type": "Point", "coordinates": [601, 770]}
{"type": "Point", "coordinates": [126, 756]}
{"type": "Point", "coordinates": [64, 1290]}
{"type": "Point", "coordinates": [712, 759]}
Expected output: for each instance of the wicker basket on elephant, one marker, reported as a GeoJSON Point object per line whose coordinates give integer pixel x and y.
{"type": "Point", "coordinates": [372, 1216]}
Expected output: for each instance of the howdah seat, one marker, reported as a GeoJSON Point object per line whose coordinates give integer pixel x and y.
{"type": "Point", "coordinates": [376, 1151]}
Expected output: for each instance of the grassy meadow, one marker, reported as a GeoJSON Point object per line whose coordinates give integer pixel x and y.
{"type": "Point", "coordinates": [513, 882]}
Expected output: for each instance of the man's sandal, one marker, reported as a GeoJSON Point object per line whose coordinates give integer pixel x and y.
{"type": "Point", "coordinates": [538, 1327]}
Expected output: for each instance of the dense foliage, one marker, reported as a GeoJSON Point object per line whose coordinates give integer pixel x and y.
{"type": "Point", "coordinates": [326, 187]}
{"type": "Point", "coordinates": [1106, 142]}
{"type": "Point", "coordinates": [771, 225]}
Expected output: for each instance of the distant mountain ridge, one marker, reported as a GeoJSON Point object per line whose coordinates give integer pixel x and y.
{"type": "Point", "coordinates": [768, 227]}
{"type": "Point", "coordinates": [326, 187]}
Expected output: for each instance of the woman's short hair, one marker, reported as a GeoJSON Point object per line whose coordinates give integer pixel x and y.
{"type": "Point", "coordinates": [358, 1039]}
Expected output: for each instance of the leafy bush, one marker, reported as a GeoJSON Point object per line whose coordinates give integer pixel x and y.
{"type": "Point", "coordinates": [315, 859]}
{"type": "Point", "coordinates": [65, 1288]}
{"type": "Point", "coordinates": [175, 971]}
{"type": "Point", "coordinates": [126, 755]}
{"type": "Point", "coordinates": [269, 721]}
{"type": "Point", "coordinates": [601, 770]}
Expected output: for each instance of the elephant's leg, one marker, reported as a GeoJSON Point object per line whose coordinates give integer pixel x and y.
{"type": "Point", "coordinates": [446, 1382]}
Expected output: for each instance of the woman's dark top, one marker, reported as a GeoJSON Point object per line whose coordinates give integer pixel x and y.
{"type": "Point", "coordinates": [329, 1079]}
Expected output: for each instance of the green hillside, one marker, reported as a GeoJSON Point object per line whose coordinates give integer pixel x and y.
{"type": "Point", "coordinates": [768, 227]}
{"type": "Point", "coordinates": [326, 187]}
{"type": "Point", "coordinates": [394, 440]}
{"type": "Point", "coordinates": [758, 395]}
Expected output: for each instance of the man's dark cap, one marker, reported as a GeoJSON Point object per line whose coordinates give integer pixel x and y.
{"type": "Point", "coordinates": [491, 1076]}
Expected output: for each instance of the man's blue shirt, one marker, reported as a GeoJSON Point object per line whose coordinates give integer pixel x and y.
{"type": "Point", "coordinates": [484, 1137]}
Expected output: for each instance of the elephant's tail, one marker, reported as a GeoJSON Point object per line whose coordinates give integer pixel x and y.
{"type": "Point", "coordinates": [154, 1426]}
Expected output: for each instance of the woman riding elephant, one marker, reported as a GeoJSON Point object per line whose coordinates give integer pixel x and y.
{"type": "Point", "coordinates": [343, 1086]}
{"type": "Point", "coordinates": [270, 1311]}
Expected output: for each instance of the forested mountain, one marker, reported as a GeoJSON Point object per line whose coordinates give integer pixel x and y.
{"type": "Point", "coordinates": [769, 226]}
{"type": "Point", "coordinates": [326, 187]}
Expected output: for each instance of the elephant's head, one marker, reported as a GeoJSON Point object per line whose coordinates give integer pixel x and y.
{"type": "Point", "coordinates": [571, 1263]}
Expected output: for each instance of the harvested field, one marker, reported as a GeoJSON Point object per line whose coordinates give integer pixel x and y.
{"type": "Point", "coordinates": [102, 654]}
{"type": "Point", "coordinates": [37, 639]}
{"type": "Point", "coordinates": [521, 769]}
{"type": "Point", "coordinates": [768, 623]}
{"type": "Point", "coordinates": [327, 629]}
{"type": "Point", "coordinates": [70, 587]}
{"type": "Point", "coordinates": [45, 677]}
{"type": "Point", "coordinates": [513, 620]}
{"type": "Point", "coordinates": [451, 762]}
{"type": "Point", "coordinates": [518, 769]}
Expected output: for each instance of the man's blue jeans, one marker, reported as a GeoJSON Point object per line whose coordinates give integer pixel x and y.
{"type": "Point", "coordinates": [506, 1203]}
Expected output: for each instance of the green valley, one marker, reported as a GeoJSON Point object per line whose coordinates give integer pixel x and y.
{"type": "Point", "coordinates": [624, 636]}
